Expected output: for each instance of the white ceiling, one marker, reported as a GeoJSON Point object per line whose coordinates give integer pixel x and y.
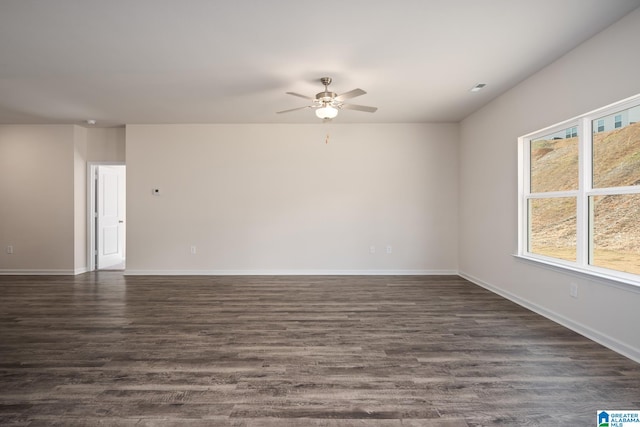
{"type": "Point", "coordinates": [217, 61]}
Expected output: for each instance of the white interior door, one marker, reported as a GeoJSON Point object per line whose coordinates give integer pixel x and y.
{"type": "Point", "coordinates": [110, 219]}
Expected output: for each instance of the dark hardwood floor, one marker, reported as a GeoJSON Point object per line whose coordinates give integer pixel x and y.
{"type": "Point", "coordinates": [104, 349]}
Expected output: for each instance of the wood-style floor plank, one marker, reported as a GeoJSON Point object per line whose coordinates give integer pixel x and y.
{"type": "Point", "coordinates": [105, 349]}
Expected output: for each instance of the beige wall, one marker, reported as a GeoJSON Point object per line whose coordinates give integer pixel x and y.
{"type": "Point", "coordinates": [106, 144]}
{"type": "Point", "coordinates": [80, 198]}
{"type": "Point", "coordinates": [43, 194]}
{"type": "Point", "coordinates": [277, 199]}
{"type": "Point", "coordinates": [37, 198]}
{"type": "Point", "coordinates": [601, 71]}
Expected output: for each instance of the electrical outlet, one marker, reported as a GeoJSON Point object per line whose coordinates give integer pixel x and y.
{"type": "Point", "coordinates": [193, 250]}
{"type": "Point", "coordinates": [389, 249]}
{"type": "Point", "coordinates": [372, 249]}
{"type": "Point", "coordinates": [573, 290]}
{"type": "Point", "coordinates": [10, 249]}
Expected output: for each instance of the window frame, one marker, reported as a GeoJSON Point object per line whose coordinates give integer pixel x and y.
{"type": "Point", "coordinates": [586, 128]}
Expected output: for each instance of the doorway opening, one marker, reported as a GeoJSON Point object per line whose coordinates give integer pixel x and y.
{"type": "Point", "coordinates": [106, 224]}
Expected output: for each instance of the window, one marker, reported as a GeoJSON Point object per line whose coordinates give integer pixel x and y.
{"type": "Point", "coordinates": [580, 193]}
{"type": "Point", "coordinates": [553, 187]}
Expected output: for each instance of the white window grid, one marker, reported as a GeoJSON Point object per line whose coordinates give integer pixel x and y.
{"type": "Point", "coordinates": [586, 125]}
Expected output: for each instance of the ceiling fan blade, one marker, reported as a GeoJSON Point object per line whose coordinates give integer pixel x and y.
{"type": "Point", "coordinates": [350, 94]}
{"type": "Point", "coordinates": [293, 109]}
{"type": "Point", "coordinates": [301, 96]}
{"type": "Point", "coordinates": [359, 108]}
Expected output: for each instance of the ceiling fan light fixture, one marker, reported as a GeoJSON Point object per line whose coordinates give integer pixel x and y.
{"type": "Point", "coordinates": [326, 112]}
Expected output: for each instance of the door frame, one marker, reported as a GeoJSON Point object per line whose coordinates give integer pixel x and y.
{"type": "Point", "coordinates": [92, 169]}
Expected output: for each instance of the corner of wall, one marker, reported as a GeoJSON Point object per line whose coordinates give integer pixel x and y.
{"type": "Point", "coordinates": [80, 198]}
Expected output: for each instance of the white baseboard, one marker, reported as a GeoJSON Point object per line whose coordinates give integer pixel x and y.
{"type": "Point", "coordinates": [605, 340]}
{"type": "Point", "coordinates": [81, 270]}
{"type": "Point", "coordinates": [129, 272]}
{"type": "Point", "coordinates": [28, 272]}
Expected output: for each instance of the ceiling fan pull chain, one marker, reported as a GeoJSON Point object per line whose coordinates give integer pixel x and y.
{"type": "Point", "coordinates": [326, 141]}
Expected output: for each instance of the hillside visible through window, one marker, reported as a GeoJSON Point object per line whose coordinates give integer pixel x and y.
{"type": "Point", "coordinates": [616, 151]}
{"type": "Point", "coordinates": [554, 163]}
{"type": "Point", "coordinates": [552, 220]}
{"type": "Point", "coordinates": [552, 230]}
{"type": "Point", "coordinates": [614, 219]}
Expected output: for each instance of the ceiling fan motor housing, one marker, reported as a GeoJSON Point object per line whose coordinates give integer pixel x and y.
{"type": "Point", "coordinates": [325, 97]}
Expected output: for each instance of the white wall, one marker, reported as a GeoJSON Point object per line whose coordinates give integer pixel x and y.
{"type": "Point", "coordinates": [277, 199]}
{"type": "Point", "coordinates": [600, 71]}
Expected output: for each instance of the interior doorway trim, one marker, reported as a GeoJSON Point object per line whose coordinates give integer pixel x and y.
{"type": "Point", "coordinates": [92, 168]}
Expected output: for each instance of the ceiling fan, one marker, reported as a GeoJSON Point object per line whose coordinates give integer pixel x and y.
{"type": "Point", "coordinates": [328, 103]}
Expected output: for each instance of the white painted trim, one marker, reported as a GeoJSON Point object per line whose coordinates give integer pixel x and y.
{"type": "Point", "coordinates": [27, 272]}
{"type": "Point", "coordinates": [594, 274]}
{"type": "Point", "coordinates": [91, 201]}
{"type": "Point", "coordinates": [129, 272]}
{"type": "Point", "coordinates": [583, 220]}
{"type": "Point", "coordinates": [91, 194]}
{"type": "Point", "coordinates": [605, 340]}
